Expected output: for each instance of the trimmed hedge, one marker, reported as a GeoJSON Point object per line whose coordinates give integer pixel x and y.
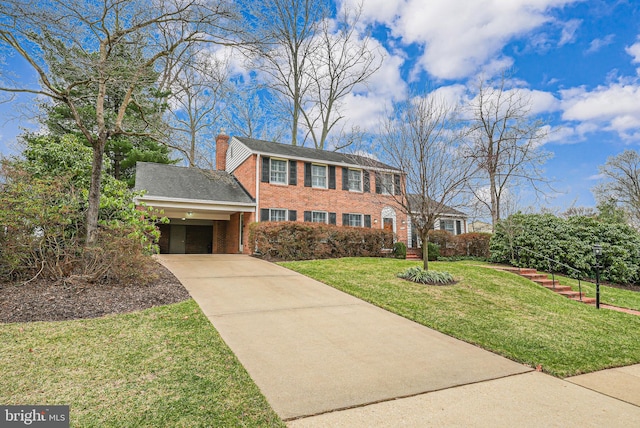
{"type": "Point", "coordinates": [472, 244]}
{"type": "Point", "coordinates": [308, 241]}
{"type": "Point", "coordinates": [569, 241]}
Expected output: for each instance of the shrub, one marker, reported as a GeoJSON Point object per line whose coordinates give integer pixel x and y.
{"type": "Point", "coordinates": [473, 244]}
{"type": "Point", "coordinates": [445, 240]}
{"type": "Point", "coordinates": [400, 250]}
{"type": "Point", "coordinates": [307, 241]}
{"type": "Point", "coordinates": [42, 225]}
{"type": "Point", "coordinates": [433, 251]}
{"type": "Point", "coordinates": [421, 276]}
{"type": "Point", "coordinates": [568, 241]}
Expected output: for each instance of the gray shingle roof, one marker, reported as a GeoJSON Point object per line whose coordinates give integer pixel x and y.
{"type": "Point", "coordinates": [289, 151]}
{"type": "Point", "coordinates": [416, 200]}
{"type": "Point", "coordinates": [179, 182]}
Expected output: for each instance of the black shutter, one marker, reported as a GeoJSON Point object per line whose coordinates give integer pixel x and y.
{"type": "Point", "coordinates": [396, 185]}
{"type": "Point", "coordinates": [264, 214]}
{"type": "Point", "coordinates": [265, 170]}
{"type": "Point", "coordinates": [441, 225]}
{"type": "Point", "coordinates": [458, 227]}
{"type": "Point", "coordinates": [345, 219]}
{"type": "Point", "coordinates": [367, 221]}
{"type": "Point", "coordinates": [366, 181]}
{"type": "Point", "coordinates": [307, 174]}
{"type": "Point", "coordinates": [307, 216]}
{"type": "Point", "coordinates": [293, 215]}
{"type": "Point", "coordinates": [332, 218]}
{"type": "Point", "coordinates": [332, 177]}
{"type": "Point", "coordinates": [378, 182]}
{"type": "Point", "coordinates": [293, 173]}
{"type": "Point", "coordinates": [345, 178]}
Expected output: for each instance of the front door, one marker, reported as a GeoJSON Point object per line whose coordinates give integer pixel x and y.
{"type": "Point", "coordinates": [387, 224]}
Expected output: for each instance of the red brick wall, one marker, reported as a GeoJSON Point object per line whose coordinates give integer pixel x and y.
{"type": "Point", "coordinates": [339, 201]}
{"type": "Point", "coordinates": [246, 175]}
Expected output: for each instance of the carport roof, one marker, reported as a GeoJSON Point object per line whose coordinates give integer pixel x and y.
{"type": "Point", "coordinates": [170, 181]}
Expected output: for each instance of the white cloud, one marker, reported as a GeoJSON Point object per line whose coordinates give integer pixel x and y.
{"type": "Point", "coordinates": [569, 31]}
{"type": "Point", "coordinates": [597, 44]}
{"type": "Point", "coordinates": [610, 108]}
{"type": "Point", "coordinates": [634, 51]}
{"type": "Point", "coordinates": [459, 37]}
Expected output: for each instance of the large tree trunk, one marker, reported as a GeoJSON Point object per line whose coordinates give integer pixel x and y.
{"type": "Point", "coordinates": [94, 192]}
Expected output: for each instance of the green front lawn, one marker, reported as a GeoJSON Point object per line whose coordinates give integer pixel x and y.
{"type": "Point", "coordinates": [498, 311]}
{"type": "Point", "coordinates": [162, 367]}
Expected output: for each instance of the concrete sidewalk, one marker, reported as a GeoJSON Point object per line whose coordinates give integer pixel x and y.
{"type": "Point", "coordinates": [313, 350]}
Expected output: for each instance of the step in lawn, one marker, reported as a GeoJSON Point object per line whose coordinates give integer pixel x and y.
{"type": "Point", "coordinates": [543, 280]}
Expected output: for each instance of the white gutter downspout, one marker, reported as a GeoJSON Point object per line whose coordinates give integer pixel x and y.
{"type": "Point", "coordinates": [258, 179]}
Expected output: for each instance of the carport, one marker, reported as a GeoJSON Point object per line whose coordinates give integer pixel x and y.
{"type": "Point", "coordinates": [208, 211]}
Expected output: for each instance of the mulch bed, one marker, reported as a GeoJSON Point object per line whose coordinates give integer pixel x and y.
{"type": "Point", "coordinates": [43, 300]}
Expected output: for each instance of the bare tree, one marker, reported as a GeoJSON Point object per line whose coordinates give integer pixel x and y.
{"type": "Point", "coordinates": [621, 183]}
{"type": "Point", "coordinates": [250, 111]}
{"type": "Point", "coordinates": [312, 62]}
{"type": "Point", "coordinates": [342, 61]}
{"type": "Point", "coordinates": [422, 139]}
{"type": "Point", "coordinates": [73, 47]}
{"type": "Point", "coordinates": [196, 105]}
{"type": "Point", "coordinates": [285, 32]}
{"type": "Point", "coordinates": [504, 143]}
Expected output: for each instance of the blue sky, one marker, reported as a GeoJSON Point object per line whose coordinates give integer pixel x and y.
{"type": "Point", "coordinates": [579, 61]}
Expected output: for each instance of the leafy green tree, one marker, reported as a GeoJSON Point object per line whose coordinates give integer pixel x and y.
{"type": "Point", "coordinates": [76, 49]}
{"type": "Point", "coordinates": [43, 203]}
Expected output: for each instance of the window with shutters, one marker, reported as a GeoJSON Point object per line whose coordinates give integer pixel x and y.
{"type": "Point", "coordinates": [448, 225]}
{"type": "Point", "coordinates": [319, 216]}
{"type": "Point", "coordinates": [355, 180]}
{"type": "Point", "coordinates": [277, 214]}
{"type": "Point", "coordinates": [354, 220]}
{"type": "Point", "coordinates": [278, 171]}
{"type": "Point", "coordinates": [319, 176]}
{"type": "Point", "coordinates": [386, 184]}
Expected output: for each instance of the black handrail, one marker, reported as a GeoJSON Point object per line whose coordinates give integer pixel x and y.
{"type": "Point", "coordinates": [553, 276]}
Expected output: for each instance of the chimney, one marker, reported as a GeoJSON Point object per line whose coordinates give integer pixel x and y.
{"type": "Point", "coordinates": [222, 145]}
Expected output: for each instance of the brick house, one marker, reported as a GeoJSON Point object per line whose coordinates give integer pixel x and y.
{"type": "Point", "coordinates": [264, 181]}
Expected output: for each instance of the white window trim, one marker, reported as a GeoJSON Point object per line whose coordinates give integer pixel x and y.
{"type": "Point", "coordinates": [326, 216]}
{"type": "Point", "coordinates": [383, 188]}
{"type": "Point", "coordinates": [361, 219]}
{"type": "Point", "coordinates": [286, 172]}
{"type": "Point", "coordinates": [286, 213]}
{"type": "Point", "coordinates": [360, 190]}
{"type": "Point", "coordinates": [326, 176]}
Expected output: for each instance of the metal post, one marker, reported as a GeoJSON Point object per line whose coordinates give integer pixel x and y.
{"type": "Point", "coordinates": [597, 284]}
{"type": "Point", "coordinates": [597, 251]}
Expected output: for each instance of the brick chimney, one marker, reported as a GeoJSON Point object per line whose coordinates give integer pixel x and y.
{"type": "Point", "coordinates": [222, 145]}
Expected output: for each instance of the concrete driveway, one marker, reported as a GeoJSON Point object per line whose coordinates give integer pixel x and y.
{"type": "Point", "coordinates": [313, 350]}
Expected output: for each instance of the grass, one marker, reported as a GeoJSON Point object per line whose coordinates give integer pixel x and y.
{"type": "Point", "coordinates": [165, 366]}
{"type": "Point", "coordinates": [495, 310]}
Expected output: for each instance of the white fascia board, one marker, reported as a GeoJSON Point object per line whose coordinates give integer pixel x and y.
{"type": "Point", "coordinates": [194, 204]}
